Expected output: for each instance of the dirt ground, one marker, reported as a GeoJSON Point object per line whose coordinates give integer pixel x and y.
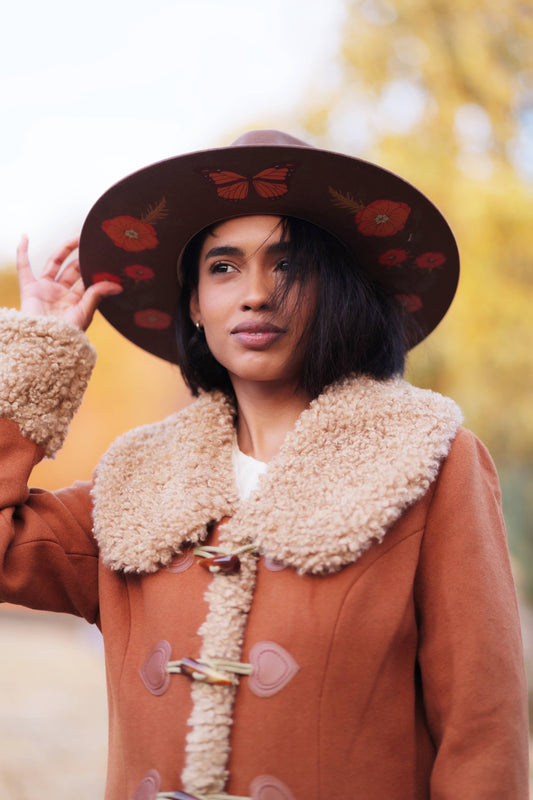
{"type": "Point", "coordinates": [53, 710]}
{"type": "Point", "coordinates": [53, 728]}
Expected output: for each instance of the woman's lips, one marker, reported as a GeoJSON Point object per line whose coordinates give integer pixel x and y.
{"type": "Point", "coordinates": [256, 335]}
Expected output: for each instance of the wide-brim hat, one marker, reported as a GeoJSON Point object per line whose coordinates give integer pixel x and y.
{"type": "Point", "coordinates": [136, 232]}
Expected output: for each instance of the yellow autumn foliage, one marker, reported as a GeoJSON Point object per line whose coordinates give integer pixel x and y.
{"type": "Point", "coordinates": [440, 93]}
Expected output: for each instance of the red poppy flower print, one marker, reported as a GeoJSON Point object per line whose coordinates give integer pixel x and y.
{"type": "Point", "coordinates": [392, 258]}
{"type": "Point", "coordinates": [106, 276]}
{"type": "Point", "coordinates": [411, 302]}
{"type": "Point", "coordinates": [430, 260]}
{"type": "Point", "coordinates": [152, 318]}
{"type": "Point", "coordinates": [382, 218]}
{"type": "Point", "coordinates": [139, 273]}
{"type": "Point", "coordinates": [130, 233]}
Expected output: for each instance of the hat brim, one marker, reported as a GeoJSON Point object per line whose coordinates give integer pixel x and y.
{"type": "Point", "coordinates": [136, 231]}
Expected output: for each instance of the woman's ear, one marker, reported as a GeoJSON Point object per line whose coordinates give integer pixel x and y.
{"type": "Point", "coordinates": [194, 307]}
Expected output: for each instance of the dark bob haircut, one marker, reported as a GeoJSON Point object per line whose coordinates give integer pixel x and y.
{"type": "Point", "coordinates": [357, 328]}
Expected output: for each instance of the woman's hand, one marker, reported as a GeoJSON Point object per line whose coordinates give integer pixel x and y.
{"type": "Point", "coordinates": [59, 291]}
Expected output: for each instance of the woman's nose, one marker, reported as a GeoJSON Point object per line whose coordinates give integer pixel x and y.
{"type": "Point", "coordinates": [257, 290]}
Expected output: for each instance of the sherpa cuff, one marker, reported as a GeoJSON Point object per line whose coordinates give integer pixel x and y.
{"type": "Point", "coordinates": [45, 365]}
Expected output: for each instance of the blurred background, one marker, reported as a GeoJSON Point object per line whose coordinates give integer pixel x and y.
{"type": "Point", "coordinates": [440, 92]}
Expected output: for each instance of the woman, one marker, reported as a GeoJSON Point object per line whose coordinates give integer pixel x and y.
{"type": "Point", "coordinates": [354, 631]}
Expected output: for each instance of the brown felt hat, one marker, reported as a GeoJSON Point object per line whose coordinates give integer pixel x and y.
{"type": "Point", "coordinates": [136, 232]}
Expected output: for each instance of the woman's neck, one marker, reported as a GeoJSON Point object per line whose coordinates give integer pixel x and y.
{"type": "Point", "coordinates": [265, 414]}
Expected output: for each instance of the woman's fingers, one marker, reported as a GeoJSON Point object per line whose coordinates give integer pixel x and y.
{"type": "Point", "coordinates": [53, 267]}
{"type": "Point", "coordinates": [24, 270]}
{"type": "Point", "coordinates": [78, 287]}
{"type": "Point", "coordinates": [70, 274]}
{"type": "Point", "coordinates": [59, 291]}
{"type": "Point", "coordinates": [55, 263]}
{"type": "Point", "coordinates": [91, 297]}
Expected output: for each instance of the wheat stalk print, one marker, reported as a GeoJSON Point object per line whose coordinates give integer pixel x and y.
{"type": "Point", "coordinates": [345, 201]}
{"type": "Point", "coordinates": [155, 213]}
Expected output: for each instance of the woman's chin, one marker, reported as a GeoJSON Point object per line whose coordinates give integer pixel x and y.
{"type": "Point", "coordinates": [262, 378]}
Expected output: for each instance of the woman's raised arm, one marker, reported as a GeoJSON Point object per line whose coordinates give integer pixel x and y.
{"type": "Point", "coordinates": [59, 291]}
{"type": "Point", "coordinates": [48, 557]}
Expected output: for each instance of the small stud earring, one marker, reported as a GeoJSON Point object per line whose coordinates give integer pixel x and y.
{"type": "Point", "coordinates": [198, 325]}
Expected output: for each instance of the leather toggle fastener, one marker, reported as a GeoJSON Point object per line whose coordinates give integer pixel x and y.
{"type": "Point", "coordinates": [270, 669]}
{"type": "Point", "coordinates": [228, 564]}
{"type": "Point", "coordinates": [215, 559]}
{"type": "Point", "coordinates": [156, 671]}
{"type": "Point", "coordinates": [212, 672]}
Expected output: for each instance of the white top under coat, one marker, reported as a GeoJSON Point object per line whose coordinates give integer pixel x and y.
{"type": "Point", "coordinates": [247, 471]}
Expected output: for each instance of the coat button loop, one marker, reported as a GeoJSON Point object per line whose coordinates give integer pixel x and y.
{"type": "Point", "coordinates": [181, 562]}
{"type": "Point", "coordinates": [273, 668]}
{"type": "Point", "coordinates": [267, 787]}
{"type": "Point", "coordinates": [153, 672]}
{"type": "Point", "coordinates": [148, 787]}
{"type": "Point", "coordinates": [273, 565]}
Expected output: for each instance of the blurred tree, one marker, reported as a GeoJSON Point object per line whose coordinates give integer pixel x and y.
{"type": "Point", "coordinates": [442, 93]}
{"type": "Point", "coordinates": [455, 78]}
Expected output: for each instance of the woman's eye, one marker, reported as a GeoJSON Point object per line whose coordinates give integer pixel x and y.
{"type": "Point", "coordinates": [283, 265]}
{"type": "Point", "coordinates": [221, 267]}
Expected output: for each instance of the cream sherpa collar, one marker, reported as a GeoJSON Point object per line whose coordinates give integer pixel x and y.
{"type": "Point", "coordinates": [361, 453]}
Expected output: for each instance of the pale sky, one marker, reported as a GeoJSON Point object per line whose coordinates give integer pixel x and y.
{"type": "Point", "coordinates": [90, 92]}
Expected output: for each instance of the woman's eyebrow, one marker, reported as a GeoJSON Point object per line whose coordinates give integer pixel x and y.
{"type": "Point", "coordinates": [278, 247]}
{"type": "Point", "coordinates": [281, 246]}
{"type": "Point", "coordinates": [224, 250]}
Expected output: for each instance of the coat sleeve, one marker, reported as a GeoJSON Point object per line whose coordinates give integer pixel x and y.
{"type": "Point", "coordinates": [470, 652]}
{"type": "Point", "coordinates": [48, 556]}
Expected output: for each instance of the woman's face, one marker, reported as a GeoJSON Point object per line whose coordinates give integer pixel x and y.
{"type": "Point", "coordinates": [241, 263]}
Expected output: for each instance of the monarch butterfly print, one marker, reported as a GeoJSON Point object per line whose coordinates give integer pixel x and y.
{"type": "Point", "coordinates": [269, 183]}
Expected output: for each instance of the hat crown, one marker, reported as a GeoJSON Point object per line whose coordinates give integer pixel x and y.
{"type": "Point", "coordinates": [268, 137]}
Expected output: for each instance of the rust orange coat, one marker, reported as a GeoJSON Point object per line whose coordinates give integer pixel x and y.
{"type": "Point", "coordinates": [400, 622]}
